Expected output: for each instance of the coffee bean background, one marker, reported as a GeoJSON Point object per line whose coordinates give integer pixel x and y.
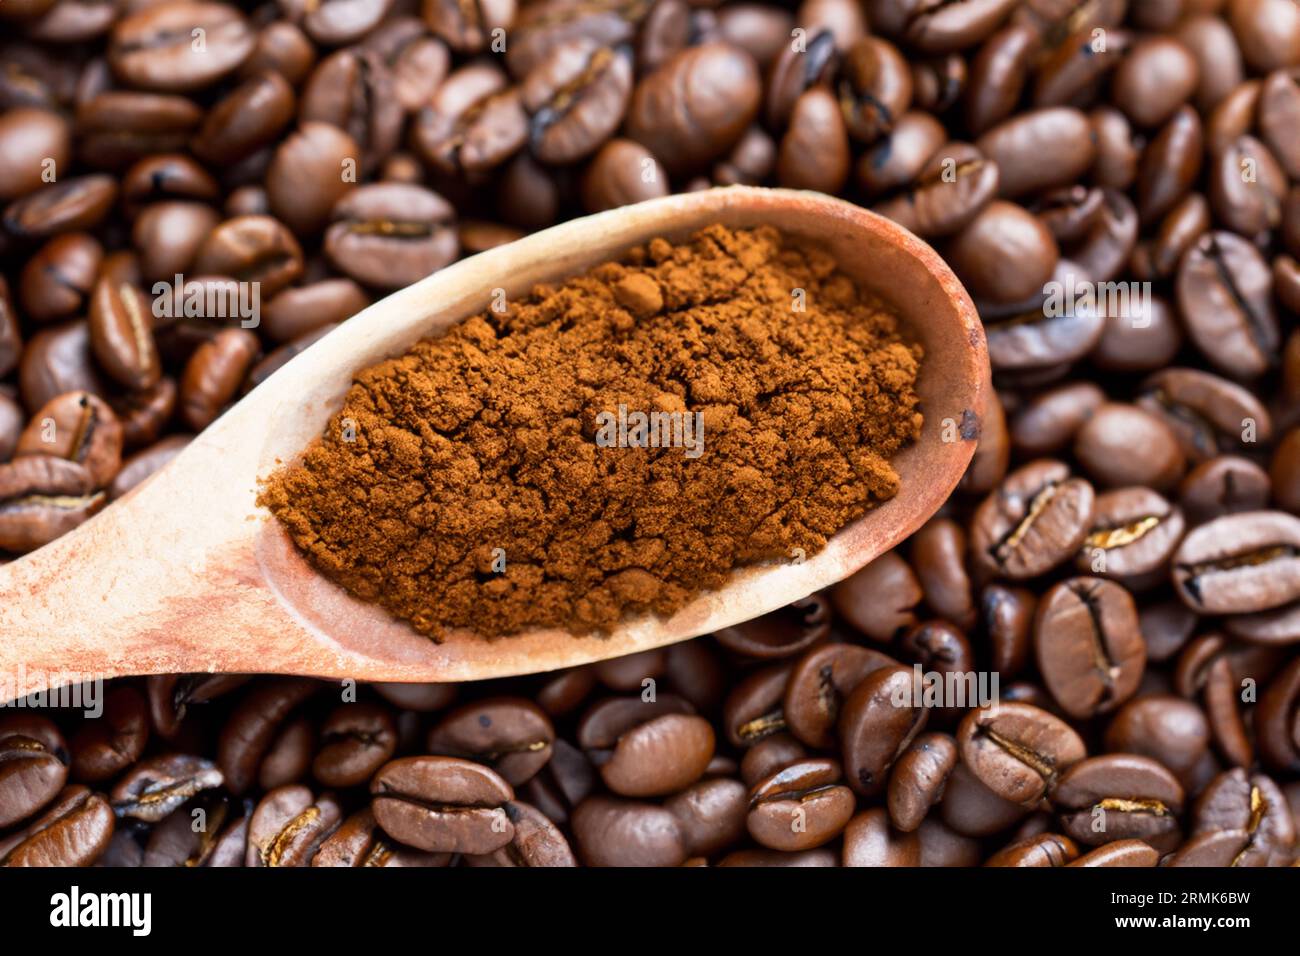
{"type": "Point", "coordinates": [1123, 551]}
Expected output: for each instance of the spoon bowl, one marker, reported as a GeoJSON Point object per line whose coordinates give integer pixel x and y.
{"type": "Point", "coordinates": [187, 574]}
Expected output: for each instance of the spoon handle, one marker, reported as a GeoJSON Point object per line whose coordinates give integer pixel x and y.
{"type": "Point", "coordinates": [163, 581]}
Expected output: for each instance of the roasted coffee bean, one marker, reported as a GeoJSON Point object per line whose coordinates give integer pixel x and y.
{"type": "Point", "coordinates": [121, 335]}
{"type": "Point", "coordinates": [1039, 150]}
{"type": "Point", "coordinates": [213, 375]}
{"type": "Point", "coordinates": [1254, 805]}
{"type": "Point", "coordinates": [1208, 414]}
{"type": "Point", "coordinates": [710, 815]}
{"type": "Point", "coordinates": [80, 428]}
{"type": "Point", "coordinates": [1018, 751]}
{"type": "Point", "coordinates": [1223, 485]}
{"type": "Point", "coordinates": [818, 685]}
{"type": "Point", "coordinates": [33, 766]}
{"type": "Point", "coordinates": [1275, 717]}
{"type": "Point", "coordinates": [612, 832]}
{"type": "Point", "coordinates": [442, 804]}
{"type": "Point", "coordinates": [474, 123]}
{"type": "Point", "coordinates": [167, 177]}
{"type": "Point", "coordinates": [247, 119]}
{"type": "Point", "coordinates": [252, 249]}
{"type": "Point", "coordinates": [29, 139]}
{"type": "Point", "coordinates": [105, 747]}
{"type": "Point", "coordinates": [355, 741]}
{"type": "Point", "coordinates": [1044, 850]}
{"type": "Point", "coordinates": [814, 152]}
{"type": "Point", "coordinates": [1104, 445]}
{"type": "Point", "coordinates": [576, 99]}
{"type": "Point", "coordinates": [511, 735]}
{"type": "Point", "coordinates": [918, 778]}
{"type": "Point", "coordinates": [1089, 645]}
{"type": "Point", "coordinates": [1008, 614]}
{"type": "Point", "coordinates": [220, 842]}
{"type": "Point", "coordinates": [647, 749]}
{"type": "Point", "coordinates": [1168, 729]}
{"type": "Point", "coordinates": [1004, 254]}
{"type": "Point", "coordinates": [1035, 521]}
{"type": "Point", "coordinates": [800, 806]}
{"type": "Point", "coordinates": [1247, 187]}
{"type": "Point", "coordinates": [154, 788]}
{"type": "Point", "coordinates": [901, 156]}
{"type": "Point", "coordinates": [1157, 76]}
{"type": "Point", "coordinates": [354, 90]}
{"type": "Point", "coordinates": [1119, 797]}
{"type": "Point", "coordinates": [869, 840]}
{"type": "Point", "coordinates": [43, 497]}
{"type": "Point", "coordinates": [623, 172]}
{"type": "Point", "coordinates": [75, 830]}
{"type": "Point", "coordinates": [1224, 288]}
{"type": "Point", "coordinates": [116, 128]}
{"type": "Point", "coordinates": [56, 282]}
{"type": "Point", "coordinates": [782, 633]}
{"type": "Point", "coordinates": [288, 827]}
{"type": "Point", "coordinates": [874, 89]}
{"type": "Point", "coordinates": [537, 842]}
{"type": "Point", "coordinates": [359, 842]}
{"type": "Point", "coordinates": [250, 732]}
{"type": "Point", "coordinates": [952, 188]}
{"type": "Point", "coordinates": [168, 235]}
{"type": "Point", "coordinates": [1134, 534]}
{"type": "Point", "coordinates": [153, 48]}
{"type": "Point", "coordinates": [69, 205]}
{"type": "Point", "coordinates": [938, 556]}
{"type": "Point", "coordinates": [695, 107]}
{"type": "Point", "coordinates": [998, 75]}
{"type": "Point", "coordinates": [391, 235]}
{"type": "Point", "coordinates": [857, 598]}
{"type": "Point", "coordinates": [970, 809]}
{"type": "Point", "coordinates": [1047, 423]}
{"type": "Point", "coordinates": [1240, 563]}
{"type": "Point", "coordinates": [879, 720]}
{"type": "Point", "coordinates": [321, 154]}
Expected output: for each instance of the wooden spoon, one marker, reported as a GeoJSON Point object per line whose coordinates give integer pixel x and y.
{"type": "Point", "coordinates": [187, 574]}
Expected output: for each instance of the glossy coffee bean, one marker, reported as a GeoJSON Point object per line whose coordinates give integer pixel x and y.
{"type": "Point", "coordinates": [1134, 534]}
{"type": "Point", "coordinates": [1039, 150]}
{"type": "Point", "coordinates": [474, 123]}
{"type": "Point", "coordinates": [391, 235]}
{"type": "Point", "coordinates": [43, 497]}
{"type": "Point", "coordinates": [105, 747]}
{"type": "Point", "coordinates": [1089, 645]}
{"type": "Point", "coordinates": [213, 375]}
{"type": "Point", "coordinates": [818, 686]}
{"type": "Point", "coordinates": [1104, 446]}
{"type": "Point", "coordinates": [1240, 563]}
{"type": "Point", "coordinates": [153, 49]}
{"type": "Point", "coordinates": [355, 741]}
{"type": "Point", "coordinates": [800, 806]}
{"type": "Point", "coordinates": [938, 556]}
{"type": "Point", "coordinates": [1018, 751]}
{"type": "Point", "coordinates": [1119, 797]}
{"type": "Point", "coordinates": [576, 99]}
{"type": "Point", "coordinates": [694, 108]}
{"type": "Point", "coordinates": [856, 599]}
{"type": "Point", "coordinates": [710, 815]}
{"type": "Point", "coordinates": [154, 788]}
{"type": "Point", "coordinates": [33, 766]}
{"type": "Point", "coordinates": [321, 154]}
{"type": "Point", "coordinates": [56, 282]}
{"type": "Point", "coordinates": [1004, 254]}
{"type": "Point", "coordinates": [1209, 414]}
{"type": "Point", "coordinates": [918, 778]}
{"type": "Point", "coordinates": [783, 633]}
{"type": "Point", "coordinates": [614, 832]}
{"type": "Point", "coordinates": [121, 335]}
{"type": "Point", "coordinates": [513, 736]}
{"type": "Point", "coordinates": [1224, 290]}
{"type": "Point", "coordinates": [288, 826]}
{"type": "Point", "coordinates": [28, 139]}
{"type": "Point", "coordinates": [879, 720]}
{"type": "Point", "coordinates": [69, 205]}
{"type": "Point", "coordinates": [78, 427]}
{"type": "Point", "coordinates": [442, 805]}
{"type": "Point", "coordinates": [74, 831]}
{"type": "Point", "coordinates": [1037, 519]}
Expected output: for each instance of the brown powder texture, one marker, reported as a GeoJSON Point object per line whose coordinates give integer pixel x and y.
{"type": "Point", "coordinates": [479, 448]}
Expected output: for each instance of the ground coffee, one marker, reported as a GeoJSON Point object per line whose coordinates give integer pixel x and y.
{"type": "Point", "coordinates": [613, 444]}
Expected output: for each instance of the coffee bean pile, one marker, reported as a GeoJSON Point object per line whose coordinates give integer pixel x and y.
{"type": "Point", "coordinates": [1116, 183]}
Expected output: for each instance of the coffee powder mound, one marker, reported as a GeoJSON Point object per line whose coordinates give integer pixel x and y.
{"type": "Point", "coordinates": [469, 483]}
